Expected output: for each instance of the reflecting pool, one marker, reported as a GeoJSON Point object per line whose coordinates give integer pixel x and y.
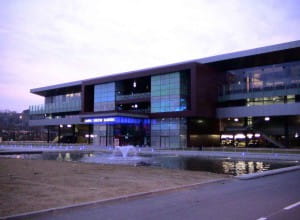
{"type": "Point", "coordinates": [194, 163]}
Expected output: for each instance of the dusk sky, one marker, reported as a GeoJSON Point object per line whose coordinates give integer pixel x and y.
{"type": "Point", "coordinates": [46, 42]}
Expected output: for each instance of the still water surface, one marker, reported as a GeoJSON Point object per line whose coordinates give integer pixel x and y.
{"type": "Point", "coordinates": [222, 165]}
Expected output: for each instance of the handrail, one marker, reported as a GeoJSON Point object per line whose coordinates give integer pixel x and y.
{"type": "Point", "coordinates": [132, 96]}
{"type": "Point", "coordinates": [74, 105]}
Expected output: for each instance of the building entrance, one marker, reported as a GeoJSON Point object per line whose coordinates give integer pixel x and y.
{"type": "Point", "coordinates": [164, 141]}
{"type": "Point", "coordinates": [120, 131]}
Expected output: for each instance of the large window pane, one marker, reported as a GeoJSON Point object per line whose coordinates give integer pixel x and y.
{"type": "Point", "coordinates": [104, 97]}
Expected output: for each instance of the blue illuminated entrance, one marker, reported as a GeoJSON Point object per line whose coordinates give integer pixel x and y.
{"type": "Point", "coordinates": [116, 120]}
{"type": "Point", "coordinates": [119, 130]}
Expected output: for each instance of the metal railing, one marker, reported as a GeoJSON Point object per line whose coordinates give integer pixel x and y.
{"type": "Point", "coordinates": [133, 96]}
{"type": "Point", "coordinates": [252, 150]}
{"type": "Point", "coordinates": [275, 90]}
{"type": "Point", "coordinates": [55, 107]}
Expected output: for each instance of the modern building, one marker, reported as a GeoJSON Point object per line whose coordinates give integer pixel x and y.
{"type": "Point", "coordinates": [246, 98]}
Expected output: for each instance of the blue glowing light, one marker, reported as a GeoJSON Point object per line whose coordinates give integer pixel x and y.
{"type": "Point", "coordinates": [116, 120]}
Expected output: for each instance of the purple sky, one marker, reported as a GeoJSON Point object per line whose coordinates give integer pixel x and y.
{"type": "Point", "coordinates": [46, 42]}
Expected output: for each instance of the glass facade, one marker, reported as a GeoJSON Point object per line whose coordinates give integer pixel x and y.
{"type": "Point", "coordinates": [271, 100]}
{"type": "Point", "coordinates": [71, 106]}
{"type": "Point", "coordinates": [103, 135]}
{"type": "Point", "coordinates": [168, 132]}
{"type": "Point", "coordinates": [154, 107]}
{"type": "Point", "coordinates": [60, 103]}
{"type": "Point", "coordinates": [169, 92]}
{"type": "Point", "coordinates": [104, 97]}
{"type": "Point", "coordinates": [71, 97]}
{"type": "Point", "coordinates": [282, 79]}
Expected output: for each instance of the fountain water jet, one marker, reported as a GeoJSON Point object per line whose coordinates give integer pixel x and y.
{"type": "Point", "coordinates": [125, 150]}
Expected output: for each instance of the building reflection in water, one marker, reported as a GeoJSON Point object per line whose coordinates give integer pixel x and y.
{"type": "Point", "coordinates": [244, 167]}
{"type": "Point", "coordinates": [60, 157]}
{"type": "Point", "coordinates": [67, 156]}
{"type": "Point", "coordinates": [226, 165]}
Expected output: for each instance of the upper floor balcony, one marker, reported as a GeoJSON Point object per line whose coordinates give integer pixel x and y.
{"type": "Point", "coordinates": [134, 96]}
{"type": "Point", "coordinates": [70, 106]}
{"type": "Point", "coordinates": [242, 91]}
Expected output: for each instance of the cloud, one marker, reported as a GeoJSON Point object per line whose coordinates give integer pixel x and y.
{"type": "Point", "coordinates": [48, 42]}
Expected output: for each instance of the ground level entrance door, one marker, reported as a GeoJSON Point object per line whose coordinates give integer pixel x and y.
{"type": "Point", "coordinates": [102, 141]}
{"type": "Point", "coordinates": [164, 141]}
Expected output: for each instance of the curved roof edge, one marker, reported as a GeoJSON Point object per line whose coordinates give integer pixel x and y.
{"type": "Point", "coordinates": [38, 91]}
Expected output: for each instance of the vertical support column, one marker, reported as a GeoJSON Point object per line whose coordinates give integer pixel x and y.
{"type": "Point", "coordinates": [48, 134]}
{"type": "Point", "coordinates": [246, 131]}
{"type": "Point", "coordinates": [246, 140]}
{"type": "Point", "coordinates": [90, 130]}
{"type": "Point", "coordinates": [188, 140]}
{"type": "Point", "coordinates": [73, 134]}
{"type": "Point", "coordinates": [106, 135]}
{"type": "Point", "coordinates": [220, 131]}
{"type": "Point", "coordinates": [286, 131]}
{"type": "Point", "coordinates": [59, 132]}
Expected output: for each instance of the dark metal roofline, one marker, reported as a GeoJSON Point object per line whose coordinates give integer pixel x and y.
{"type": "Point", "coordinates": [42, 90]}
{"type": "Point", "coordinates": [250, 52]}
{"type": "Point", "coordinates": [140, 72]}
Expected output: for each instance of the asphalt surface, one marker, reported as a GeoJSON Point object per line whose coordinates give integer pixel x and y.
{"type": "Point", "coordinates": [270, 197]}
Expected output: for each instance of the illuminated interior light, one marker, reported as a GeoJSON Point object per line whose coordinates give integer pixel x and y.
{"type": "Point", "coordinates": [267, 118]}
{"type": "Point", "coordinates": [257, 135]}
{"type": "Point", "coordinates": [61, 126]}
{"type": "Point", "coordinates": [88, 120]}
{"type": "Point", "coordinates": [226, 136]}
{"type": "Point", "coordinates": [249, 136]}
{"type": "Point", "coordinates": [134, 84]}
{"type": "Point", "coordinates": [296, 135]}
{"type": "Point", "coordinates": [239, 136]}
{"type": "Point", "coordinates": [109, 119]}
{"type": "Point", "coordinates": [69, 126]}
{"type": "Point", "coordinates": [236, 119]}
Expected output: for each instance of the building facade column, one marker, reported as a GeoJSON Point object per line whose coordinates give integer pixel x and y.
{"type": "Point", "coordinates": [48, 134]}
{"type": "Point", "coordinates": [286, 131]}
{"type": "Point", "coordinates": [59, 133]}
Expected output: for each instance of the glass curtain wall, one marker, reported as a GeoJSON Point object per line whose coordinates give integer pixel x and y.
{"type": "Point", "coordinates": [169, 92]}
{"type": "Point", "coordinates": [59, 103]}
{"type": "Point", "coordinates": [104, 97]}
{"type": "Point", "coordinates": [168, 133]}
{"type": "Point", "coordinates": [263, 78]}
{"type": "Point", "coordinates": [63, 98]}
{"type": "Point", "coordinates": [103, 135]}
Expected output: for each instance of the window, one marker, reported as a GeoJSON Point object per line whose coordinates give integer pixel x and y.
{"type": "Point", "coordinates": [104, 97]}
{"type": "Point", "coordinates": [169, 92]}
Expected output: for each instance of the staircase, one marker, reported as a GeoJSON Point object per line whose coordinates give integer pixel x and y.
{"type": "Point", "coordinates": [271, 140]}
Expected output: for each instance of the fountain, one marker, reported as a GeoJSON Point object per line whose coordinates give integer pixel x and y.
{"type": "Point", "coordinates": [125, 150]}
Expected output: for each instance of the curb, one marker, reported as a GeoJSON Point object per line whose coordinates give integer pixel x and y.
{"type": "Point", "coordinates": [267, 173]}
{"type": "Point", "coordinates": [114, 199]}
